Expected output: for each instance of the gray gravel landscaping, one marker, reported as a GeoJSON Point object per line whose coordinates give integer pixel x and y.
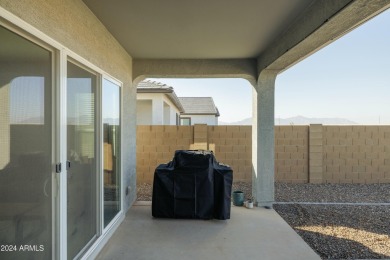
{"type": "Point", "coordinates": [363, 193]}
{"type": "Point", "coordinates": [333, 231]}
{"type": "Point", "coordinates": [341, 232]}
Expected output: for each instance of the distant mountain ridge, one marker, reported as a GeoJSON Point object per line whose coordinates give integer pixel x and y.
{"type": "Point", "coordinates": [297, 120]}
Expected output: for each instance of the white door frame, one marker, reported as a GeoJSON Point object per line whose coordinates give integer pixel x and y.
{"type": "Point", "coordinates": [60, 56]}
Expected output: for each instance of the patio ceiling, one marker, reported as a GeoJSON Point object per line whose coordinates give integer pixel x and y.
{"type": "Point", "coordinates": [177, 29]}
{"type": "Point", "coordinates": [227, 38]}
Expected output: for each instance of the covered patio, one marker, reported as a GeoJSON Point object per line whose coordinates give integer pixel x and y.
{"type": "Point", "coordinates": [224, 39]}
{"type": "Point", "coordinates": [107, 48]}
{"type": "Point", "coordinates": [257, 233]}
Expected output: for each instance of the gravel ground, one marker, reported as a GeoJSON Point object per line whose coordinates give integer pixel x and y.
{"type": "Point", "coordinates": [341, 232]}
{"type": "Point", "coordinates": [363, 193]}
{"type": "Point", "coordinates": [144, 192]}
{"type": "Point", "coordinates": [333, 231]}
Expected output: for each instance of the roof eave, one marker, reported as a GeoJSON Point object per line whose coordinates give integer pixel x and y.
{"type": "Point", "coordinates": [172, 96]}
{"type": "Point", "coordinates": [168, 91]}
{"type": "Point", "coordinates": [200, 114]}
{"type": "Point", "coordinates": [152, 90]}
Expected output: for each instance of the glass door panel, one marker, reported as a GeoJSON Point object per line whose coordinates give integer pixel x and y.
{"type": "Point", "coordinates": [25, 148]}
{"type": "Point", "coordinates": [111, 148]}
{"type": "Point", "coordinates": [81, 138]}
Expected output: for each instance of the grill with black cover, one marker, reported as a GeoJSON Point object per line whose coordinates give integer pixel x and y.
{"type": "Point", "coordinates": [192, 185]}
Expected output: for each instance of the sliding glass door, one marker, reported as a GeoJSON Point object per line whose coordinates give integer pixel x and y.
{"type": "Point", "coordinates": [26, 148]}
{"type": "Point", "coordinates": [60, 151]}
{"type": "Point", "coordinates": [111, 156]}
{"type": "Point", "coordinates": [81, 152]}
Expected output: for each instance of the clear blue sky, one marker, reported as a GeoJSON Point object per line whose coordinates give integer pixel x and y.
{"type": "Point", "coordinates": [349, 78]}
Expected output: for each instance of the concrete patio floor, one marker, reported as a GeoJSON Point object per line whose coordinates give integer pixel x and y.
{"type": "Point", "coordinates": [250, 234]}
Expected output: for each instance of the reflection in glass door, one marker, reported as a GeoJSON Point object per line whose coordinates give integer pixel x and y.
{"type": "Point", "coordinates": [111, 147]}
{"type": "Point", "coordinates": [25, 148]}
{"type": "Point", "coordinates": [81, 138]}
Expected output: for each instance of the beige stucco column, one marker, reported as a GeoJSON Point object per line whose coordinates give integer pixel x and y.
{"type": "Point", "coordinates": [263, 139]}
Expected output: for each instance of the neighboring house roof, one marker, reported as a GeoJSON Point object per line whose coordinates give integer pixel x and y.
{"type": "Point", "coordinates": [199, 106]}
{"type": "Point", "coordinates": [148, 86]}
{"type": "Point", "coordinates": [186, 105]}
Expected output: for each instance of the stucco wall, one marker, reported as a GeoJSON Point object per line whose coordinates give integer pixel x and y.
{"type": "Point", "coordinates": [144, 112]}
{"type": "Point", "coordinates": [167, 114]}
{"type": "Point", "coordinates": [203, 119]}
{"type": "Point", "coordinates": [159, 109]}
{"type": "Point", "coordinates": [73, 25]}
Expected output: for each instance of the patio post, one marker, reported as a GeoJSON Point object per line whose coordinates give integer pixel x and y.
{"type": "Point", "coordinates": [263, 139]}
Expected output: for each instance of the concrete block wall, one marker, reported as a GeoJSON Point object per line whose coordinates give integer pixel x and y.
{"type": "Point", "coordinates": [315, 153]}
{"type": "Point", "coordinates": [232, 145]}
{"type": "Point", "coordinates": [356, 154]}
{"type": "Point", "coordinates": [200, 138]}
{"type": "Point", "coordinates": [157, 144]}
{"type": "Point", "coordinates": [291, 154]}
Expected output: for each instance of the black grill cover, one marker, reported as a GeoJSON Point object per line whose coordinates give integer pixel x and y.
{"type": "Point", "coordinates": [192, 185]}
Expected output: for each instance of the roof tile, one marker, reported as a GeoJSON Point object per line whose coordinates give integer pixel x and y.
{"type": "Point", "coordinates": [199, 105]}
